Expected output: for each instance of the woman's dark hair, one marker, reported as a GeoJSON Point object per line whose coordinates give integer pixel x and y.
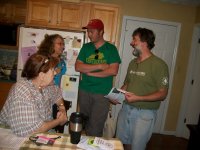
{"type": "Point", "coordinates": [38, 63]}
{"type": "Point", "coordinates": [145, 35]}
{"type": "Point", "coordinates": [47, 45]}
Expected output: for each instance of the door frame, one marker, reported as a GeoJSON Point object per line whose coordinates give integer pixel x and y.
{"type": "Point", "coordinates": [181, 125]}
{"type": "Point", "coordinates": [123, 31]}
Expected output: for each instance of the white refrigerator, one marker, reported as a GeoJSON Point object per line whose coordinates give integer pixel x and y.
{"type": "Point", "coordinates": [29, 40]}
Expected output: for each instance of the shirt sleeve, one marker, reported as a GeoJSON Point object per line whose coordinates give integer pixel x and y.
{"type": "Point", "coordinates": [23, 115]}
{"type": "Point", "coordinates": [54, 93]}
{"type": "Point", "coordinates": [115, 58]}
{"type": "Point", "coordinates": [25, 120]}
{"type": "Point", "coordinates": [161, 75]}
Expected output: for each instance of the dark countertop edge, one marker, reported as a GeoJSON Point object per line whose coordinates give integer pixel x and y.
{"type": "Point", "coordinates": [9, 81]}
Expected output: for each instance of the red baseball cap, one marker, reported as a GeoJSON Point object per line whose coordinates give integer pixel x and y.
{"type": "Point", "coordinates": [94, 24]}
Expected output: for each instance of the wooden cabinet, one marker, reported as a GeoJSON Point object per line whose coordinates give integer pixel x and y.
{"type": "Point", "coordinates": [68, 15]}
{"type": "Point", "coordinates": [3, 14]}
{"type": "Point", "coordinates": [55, 14]}
{"type": "Point", "coordinates": [13, 12]}
{"type": "Point", "coordinates": [19, 12]}
{"type": "Point", "coordinates": [4, 90]}
{"type": "Point", "coordinates": [109, 15]}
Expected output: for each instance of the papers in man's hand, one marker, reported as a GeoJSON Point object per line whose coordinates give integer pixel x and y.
{"type": "Point", "coordinates": [116, 94]}
{"type": "Point", "coordinates": [91, 143]}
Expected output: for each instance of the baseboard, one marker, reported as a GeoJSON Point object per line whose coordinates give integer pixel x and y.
{"type": "Point", "coordinates": [167, 133]}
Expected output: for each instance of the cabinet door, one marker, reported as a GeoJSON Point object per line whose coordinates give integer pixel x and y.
{"type": "Point", "coordinates": [5, 12]}
{"type": "Point", "coordinates": [5, 88]}
{"type": "Point", "coordinates": [40, 13]}
{"type": "Point", "coordinates": [2, 11]}
{"type": "Point", "coordinates": [69, 15]}
{"type": "Point", "coordinates": [13, 12]}
{"type": "Point", "coordinates": [109, 15]}
{"type": "Point", "coordinates": [19, 13]}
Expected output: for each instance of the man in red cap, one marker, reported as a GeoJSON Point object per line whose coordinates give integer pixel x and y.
{"type": "Point", "coordinates": [95, 24]}
{"type": "Point", "coordinates": [98, 61]}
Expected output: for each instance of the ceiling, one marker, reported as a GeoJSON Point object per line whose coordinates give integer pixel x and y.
{"type": "Point", "coordinates": [184, 2]}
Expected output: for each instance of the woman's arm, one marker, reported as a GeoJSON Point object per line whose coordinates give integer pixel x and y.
{"type": "Point", "coordinates": [61, 105]}
{"type": "Point", "coordinates": [47, 125]}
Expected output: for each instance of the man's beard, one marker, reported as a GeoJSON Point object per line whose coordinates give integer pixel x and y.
{"type": "Point", "coordinates": [136, 52]}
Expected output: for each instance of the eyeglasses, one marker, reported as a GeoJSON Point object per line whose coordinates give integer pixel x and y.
{"type": "Point", "coordinates": [96, 52]}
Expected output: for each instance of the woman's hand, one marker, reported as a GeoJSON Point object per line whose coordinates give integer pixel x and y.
{"type": "Point", "coordinates": [62, 117]}
{"type": "Point", "coordinates": [57, 70]}
{"type": "Point", "coordinates": [61, 108]}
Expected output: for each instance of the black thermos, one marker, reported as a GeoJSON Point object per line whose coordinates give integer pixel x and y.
{"type": "Point", "coordinates": [75, 127]}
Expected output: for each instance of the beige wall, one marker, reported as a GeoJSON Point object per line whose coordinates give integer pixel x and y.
{"type": "Point", "coordinates": [186, 15]}
{"type": "Point", "coordinates": [198, 15]}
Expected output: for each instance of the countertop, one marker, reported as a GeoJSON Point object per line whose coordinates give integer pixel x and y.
{"type": "Point", "coordinates": [11, 141]}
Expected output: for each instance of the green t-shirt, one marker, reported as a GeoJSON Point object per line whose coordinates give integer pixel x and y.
{"type": "Point", "coordinates": [145, 78]}
{"type": "Point", "coordinates": [107, 54]}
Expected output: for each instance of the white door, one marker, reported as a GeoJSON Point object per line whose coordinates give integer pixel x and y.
{"type": "Point", "coordinates": [190, 108]}
{"type": "Point", "coordinates": [166, 43]}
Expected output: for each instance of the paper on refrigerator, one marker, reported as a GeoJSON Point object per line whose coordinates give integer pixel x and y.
{"type": "Point", "coordinates": [69, 86]}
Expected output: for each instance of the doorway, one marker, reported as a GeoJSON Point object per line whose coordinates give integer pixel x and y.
{"type": "Point", "coordinates": [166, 44]}
{"type": "Point", "coordinates": [190, 106]}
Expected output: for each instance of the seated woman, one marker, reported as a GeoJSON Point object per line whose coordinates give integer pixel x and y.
{"type": "Point", "coordinates": [28, 108]}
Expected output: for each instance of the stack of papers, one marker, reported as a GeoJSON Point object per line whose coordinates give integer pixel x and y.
{"type": "Point", "coordinates": [91, 143]}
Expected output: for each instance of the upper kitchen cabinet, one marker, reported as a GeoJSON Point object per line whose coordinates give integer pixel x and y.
{"type": "Point", "coordinates": [13, 12]}
{"type": "Point", "coordinates": [73, 15]}
{"type": "Point", "coordinates": [55, 14]}
{"type": "Point", "coordinates": [19, 12]}
{"type": "Point", "coordinates": [109, 14]}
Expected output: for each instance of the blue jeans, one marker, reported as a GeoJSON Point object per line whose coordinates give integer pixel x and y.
{"type": "Point", "coordinates": [135, 126]}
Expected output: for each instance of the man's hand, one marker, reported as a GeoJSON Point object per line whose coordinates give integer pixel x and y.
{"type": "Point", "coordinates": [131, 97]}
{"type": "Point", "coordinates": [104, 66]}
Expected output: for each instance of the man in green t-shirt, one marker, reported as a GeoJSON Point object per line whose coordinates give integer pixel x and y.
{"type": "Point", "coordinates": [98, 61]}
{"type": "Point", "coordinates": [146, 84]}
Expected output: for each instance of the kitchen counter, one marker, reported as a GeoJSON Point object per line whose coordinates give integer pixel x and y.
{"type": "Point", "coordinates": [6, 79]}
{"type": "Point", "coordinates": [11, 141]}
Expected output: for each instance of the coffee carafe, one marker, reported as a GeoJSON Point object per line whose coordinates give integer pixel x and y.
{"type": "Point", "coordinates": [75, 127]}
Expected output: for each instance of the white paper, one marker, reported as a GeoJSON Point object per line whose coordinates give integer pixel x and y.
{"type": "Point", "coordinates": [116, 94]}
{"type": "Point", "coordinates": [91, 143]}
{"type": "Point", "coordinates": [86, 143]}
{"type": "Point", "coordinates": [103, 144]}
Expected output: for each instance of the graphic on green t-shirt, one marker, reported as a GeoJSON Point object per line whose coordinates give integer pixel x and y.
{"type": "Point", "coordinates": [91, 59]}
{"type": "Point", "coordinates": [107, 54]}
